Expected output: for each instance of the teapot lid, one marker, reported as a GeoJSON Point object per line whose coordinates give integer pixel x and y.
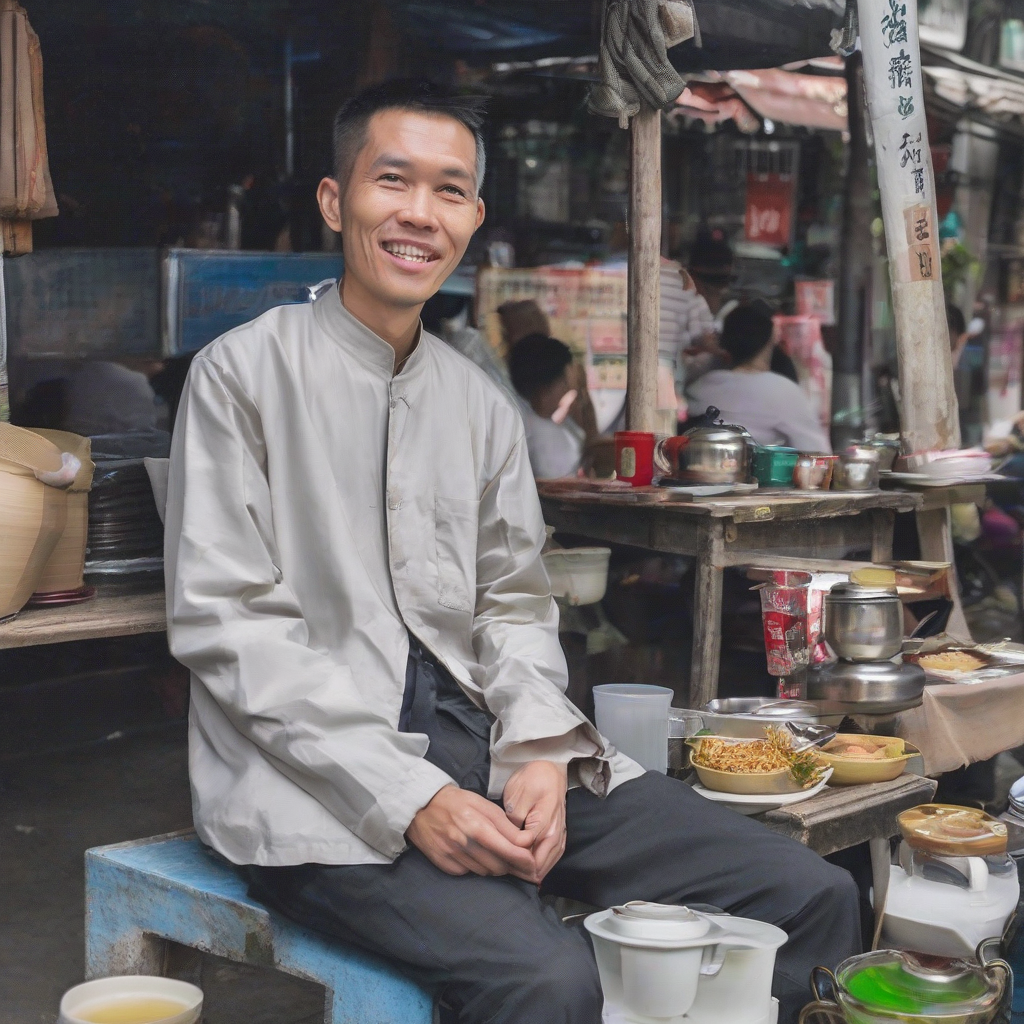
{"type": "Point", "coordinates": [917, 987]}
{"type": "Point", "coordinates": [857, 593]}
{"type": "Point", "coordinates": [947, 830]}
{"type": "Point", "coordinates": [708, 427]}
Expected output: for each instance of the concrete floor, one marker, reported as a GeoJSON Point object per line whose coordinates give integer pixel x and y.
{"type": "Point", "coordinates": [55, 806]}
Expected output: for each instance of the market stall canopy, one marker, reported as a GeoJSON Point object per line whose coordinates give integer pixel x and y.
{"type": "Point", "coordinates": [728, 33]}
{"type": "Point", "coordinates": [773, 94]}
{"type": "Point", "coordinates": [998, 99]}
{"type": "Point", "coordinates": [26, 192]}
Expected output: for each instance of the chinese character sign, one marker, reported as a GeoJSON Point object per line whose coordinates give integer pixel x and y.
{"type": "Point", "coordinates": [890, 45]}
{"type": "Point", "coordinates": [769, 208]}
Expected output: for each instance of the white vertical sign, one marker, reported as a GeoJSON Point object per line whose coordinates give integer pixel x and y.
{"type": "Point", "coordinates": [895, 94]}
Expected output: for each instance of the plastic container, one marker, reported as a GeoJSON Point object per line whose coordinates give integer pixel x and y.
{"type": "Point", "coordinates": [578, 575]}
{"type": "Point", "coordinates": [634, 457]}
{"type": "Point", "coordinates": [784, 610]}
{"type": "Point", "coordinates": [634, 717]}
{"type": "Point", "coordinates": [774, 465]}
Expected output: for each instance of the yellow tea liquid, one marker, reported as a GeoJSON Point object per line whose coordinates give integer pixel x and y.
{"type": "Point", "coordinates": [132, 1010]}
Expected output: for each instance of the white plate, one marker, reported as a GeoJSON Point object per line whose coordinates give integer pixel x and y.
{"type": "Point", "coordinates": [924, 480]}
{"type": "Point", "coordinates": [757, 803]}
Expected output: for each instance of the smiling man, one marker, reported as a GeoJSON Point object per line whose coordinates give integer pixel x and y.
{"type": "Point", "coordinates": [378, 728]}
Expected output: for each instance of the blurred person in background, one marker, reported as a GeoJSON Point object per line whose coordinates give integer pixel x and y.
{"type": "Point", "coordinates": [519, 318]}
{"type": "Point", "coordinates": [557, 414]}
{"type": "Point", "coordinates": [770, 406]}
{"type": "Point", "coordinates": [685, 320]}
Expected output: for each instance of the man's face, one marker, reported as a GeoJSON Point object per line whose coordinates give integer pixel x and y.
{"type": "Point", "coordinates": [547, 399]}
{"type": "Point", "coordinates": [409, 207]}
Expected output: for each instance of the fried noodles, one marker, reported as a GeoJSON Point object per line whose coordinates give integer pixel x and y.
{"type": "Point", "coordinates": [758, 757]}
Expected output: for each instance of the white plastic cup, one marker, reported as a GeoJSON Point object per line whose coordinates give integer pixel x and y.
{"type": "Point", "coordinates": [634, 716]}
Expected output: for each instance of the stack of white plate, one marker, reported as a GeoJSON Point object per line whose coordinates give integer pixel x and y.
{"type": "Point", "coordinates": [1017, 798]}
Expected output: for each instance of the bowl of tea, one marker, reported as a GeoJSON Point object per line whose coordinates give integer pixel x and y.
{"type": "Point", "coordinates": [132, 999]}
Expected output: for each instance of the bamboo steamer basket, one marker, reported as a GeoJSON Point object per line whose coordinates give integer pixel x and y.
{"type": "Point", "coordinates": [65, 570]}
{"type": "Point", "coordinates": [33, 515]}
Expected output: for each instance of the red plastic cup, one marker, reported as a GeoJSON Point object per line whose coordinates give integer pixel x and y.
{"type": "Point", "coordinates": [634, 457]}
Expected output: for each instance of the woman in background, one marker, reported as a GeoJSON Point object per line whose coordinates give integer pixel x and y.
{"type": "Point", "coordinates": [771, 407]}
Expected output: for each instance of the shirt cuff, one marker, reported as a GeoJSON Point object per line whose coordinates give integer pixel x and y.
{"type": "Point", "coordinates": [383, 827]}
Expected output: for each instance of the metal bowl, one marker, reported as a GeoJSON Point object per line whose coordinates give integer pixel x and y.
{"type": "Point", "coordinates": [857, 469]}
{"type": "Point", "coordinates": [870, 688]}
{"type": "Point", "coordinates": [747, 717]}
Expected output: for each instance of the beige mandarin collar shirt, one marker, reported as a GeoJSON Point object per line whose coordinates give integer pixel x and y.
{"type": "Point", "coordinates": [318, 508]}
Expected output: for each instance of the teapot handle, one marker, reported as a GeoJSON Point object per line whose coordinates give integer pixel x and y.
{"type": "Point", "coordinates": [996, 968]}
{"type": "Point", "coordinates": [712, 960]}
{"type": "Point", "coordinates": [823, 985]}
{"type": "Point", "coordinates": [821, 1012]}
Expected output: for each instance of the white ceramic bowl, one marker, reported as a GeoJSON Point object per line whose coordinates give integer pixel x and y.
{"type": "Point", "coordinates": [81, 1002]}
{"type": "Point", "coordinates": [578, 575]}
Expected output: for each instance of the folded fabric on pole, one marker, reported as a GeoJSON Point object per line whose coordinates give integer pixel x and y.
{"type": "Point", "coordinates": [26, 192]}
{"type": "Point", "coordinates": [634, 63]}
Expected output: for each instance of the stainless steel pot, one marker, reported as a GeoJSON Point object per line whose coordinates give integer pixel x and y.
{"type": "Point", "coordinates": [863, 623]}
{"type": "Point", "coordinates": [857, 469]}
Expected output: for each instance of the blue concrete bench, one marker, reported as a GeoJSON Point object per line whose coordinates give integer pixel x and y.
{"type": "Point", "coordinates": [143, 894]}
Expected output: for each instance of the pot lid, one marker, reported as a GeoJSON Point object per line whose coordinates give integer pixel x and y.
{"type": "Point", "coordinates": [651, 926]}
{"type": "Point", "coordinates": [917, 987]}
{"type": "Point", "coordinates": [642, 920]}
{"type": "Point", "coordinates": [951, 831]}
{"type": "Point", "coordinates": [859, 593]}
{"type": "Point", "coordinates": [717, 432]}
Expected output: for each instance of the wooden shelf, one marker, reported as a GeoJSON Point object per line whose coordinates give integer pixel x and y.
{"type": "Point", "coordinates": [104, 615]}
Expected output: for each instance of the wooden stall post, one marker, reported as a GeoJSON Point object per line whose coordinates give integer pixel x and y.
{"type": "Point", "coordinates": [644, 288]}
{"type": "Point", "coordinates": [895, 95]}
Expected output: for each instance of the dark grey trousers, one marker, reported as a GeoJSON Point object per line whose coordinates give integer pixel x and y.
{"type": "Point", "coordinates": [500, 955]}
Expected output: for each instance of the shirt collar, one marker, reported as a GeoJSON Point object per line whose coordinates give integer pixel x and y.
{"type": "Point", "coordinates": [358, 340]}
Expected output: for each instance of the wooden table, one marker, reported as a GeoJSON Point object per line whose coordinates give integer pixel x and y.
{"type": "Point", "coordinates": [843, 816]}
{"type": "Point", "coordinates": [104, 615]}
{"type": "Point", "coordinates": [754, 529]}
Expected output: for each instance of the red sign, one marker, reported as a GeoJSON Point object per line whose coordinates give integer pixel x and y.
{"type": "Point", "coordinates": [769, 208]}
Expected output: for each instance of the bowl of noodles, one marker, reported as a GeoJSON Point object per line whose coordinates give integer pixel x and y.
{"type": "Point", "coordinates": [755, 766]}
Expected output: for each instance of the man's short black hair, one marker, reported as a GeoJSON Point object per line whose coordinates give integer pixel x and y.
{"type": "Point", "coordinates": [417, 94]}
{"type": "Point", "coordinates": [537, 361]}
{"type": "Point", "coordinates": [746, 331]}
